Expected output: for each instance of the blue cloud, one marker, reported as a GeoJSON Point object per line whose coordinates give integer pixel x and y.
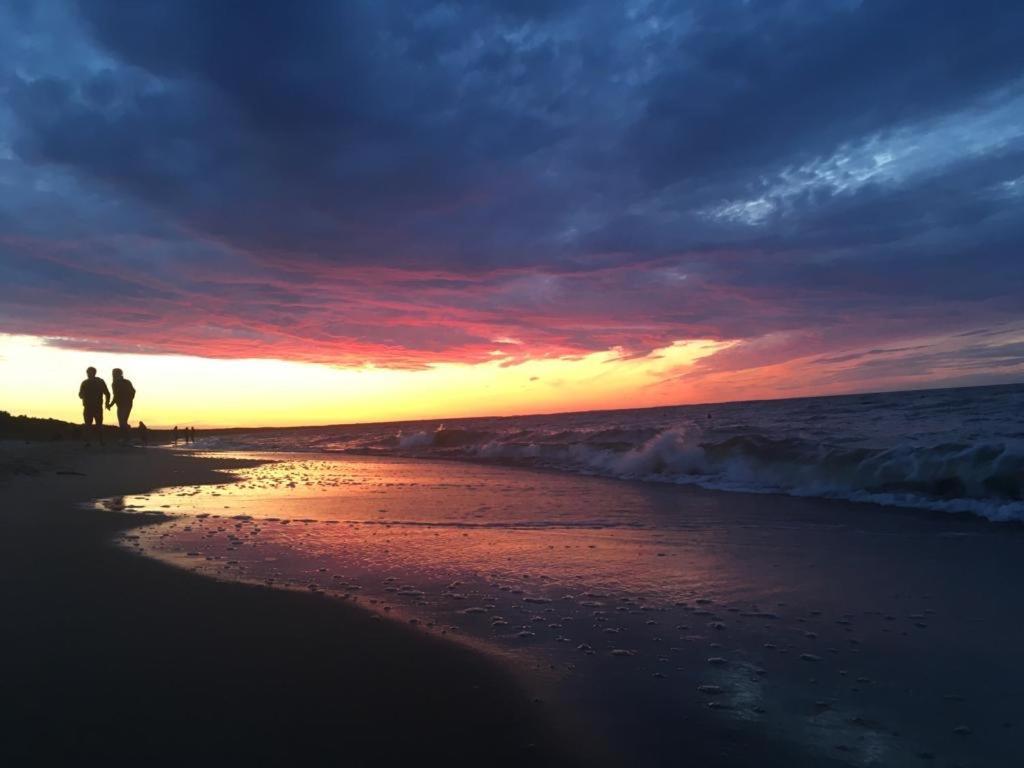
{"type": "Point", "coordinates": [539, 170]}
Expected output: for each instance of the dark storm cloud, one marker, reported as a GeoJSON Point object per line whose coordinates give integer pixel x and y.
{"type": "Point", "coordinates": [754, 82]}
{"type": "Point", "coordinates": [336, 129]}
{"type": "Point", "coordinates": [408, 182]}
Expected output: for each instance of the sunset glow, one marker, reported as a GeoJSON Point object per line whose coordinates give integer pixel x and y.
{"type": "Point", "coordinates": [195, 391]}
{"type": "Point", "coordinates": [352, 212]}
{"type": "Point", "coordinates": [512, 383]}
{"type": "Point", "coordinates": [205, 392]}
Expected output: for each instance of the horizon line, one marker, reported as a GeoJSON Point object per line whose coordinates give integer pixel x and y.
{"type": "Point", "coordinates": [207, 428]}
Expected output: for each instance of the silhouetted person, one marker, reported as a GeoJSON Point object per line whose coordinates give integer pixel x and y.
{"type": "Point", "coordinates": [94, 395]}
{"type": "Point", "coordinates": [192, 435]}
{"type": "Point", "coordinates": [124, 396]}
{"type": "Point", "coordinates": [175, 434]}
{"type": "Point", "coordinates": [143, 432]}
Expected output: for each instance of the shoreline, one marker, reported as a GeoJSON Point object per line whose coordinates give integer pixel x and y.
{"type": "Point", "coordinates": [803, 631]}
{"type": "Point", "coordinates": [122, 655]}
{"type": "Point", "coordinates": [898, 618]}
{"type": "Point", "coordinates": [919, 512]}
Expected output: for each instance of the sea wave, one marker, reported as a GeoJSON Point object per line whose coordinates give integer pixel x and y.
{"type": "Point", "coordinates": [949, 450]}
{"type": "Point", "coordinates": [985, 479]}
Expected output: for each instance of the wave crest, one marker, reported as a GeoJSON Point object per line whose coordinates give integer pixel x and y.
{"type": "Point", "coordinates": [985, 479]}
{"type": "Point", "coordinates": [952, 450]}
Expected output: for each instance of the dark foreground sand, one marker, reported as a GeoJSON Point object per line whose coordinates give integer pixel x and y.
{"type": "Point", "coordinates": [112, 657]}
{"type": "Point", "coordinates": [776, 632]}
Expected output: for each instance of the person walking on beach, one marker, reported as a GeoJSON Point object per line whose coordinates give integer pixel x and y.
{"type": "Point", "coordinates": [94, 395]}
{"type": "Point", "coordinates": [124, 396]}
{"type": "Point", "coordinates": [175, 434]}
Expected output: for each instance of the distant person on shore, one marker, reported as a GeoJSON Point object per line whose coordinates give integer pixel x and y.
{"type": "Point", "coordinates": [94, 395]}
{"type": "Point", "coordinates": [175, 433]}
{"type": "Point", "coordinates": [124, 397]}
{"type": "Point", "coordinates": [143, 432]}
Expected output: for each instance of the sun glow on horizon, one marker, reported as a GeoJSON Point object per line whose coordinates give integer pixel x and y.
{"type": "Point", "coordinates": [41, 380]}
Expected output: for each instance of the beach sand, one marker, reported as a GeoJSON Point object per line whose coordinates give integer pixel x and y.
{"type": "Point", "coordinates": [559, 618]}
{"type": "Point", "coordinates": [111, 656]}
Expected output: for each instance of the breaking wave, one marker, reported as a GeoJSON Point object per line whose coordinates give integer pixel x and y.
{"type": "Point", "coordinates": [985, 479]}
{"type": "Point", "coordinates": [952, 451]}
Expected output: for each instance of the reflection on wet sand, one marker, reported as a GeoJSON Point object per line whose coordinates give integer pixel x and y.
{"type": "Point", "coordinates": [641, 605]}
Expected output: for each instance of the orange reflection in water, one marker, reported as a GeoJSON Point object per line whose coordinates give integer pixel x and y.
{"type": "Point", "coordinates": [443, 521]}
{"type": "Point", "coordinates": [763, 609]}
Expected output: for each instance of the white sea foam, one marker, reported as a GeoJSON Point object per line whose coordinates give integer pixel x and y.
{"type": "Point", "coordinates": [415, 440]}
{"type": "Point", "coordinates": [951, 450]}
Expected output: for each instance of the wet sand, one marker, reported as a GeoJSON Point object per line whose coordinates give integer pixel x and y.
{"type": "Point", "coordinates": [680, 624]}
{"type": "Point", "coordinates": [111, 656]}
{"type": "Point", "coordinates": [500, 616]}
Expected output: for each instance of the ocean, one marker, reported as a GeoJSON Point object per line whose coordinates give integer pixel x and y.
{"type": "Point", "coordinates": [950, 450]}
{"type": "Point", "coordinates": [597, 555]}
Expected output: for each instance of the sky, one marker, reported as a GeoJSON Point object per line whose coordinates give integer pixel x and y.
{"type": "Point", "coordinates": [325, 212]}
